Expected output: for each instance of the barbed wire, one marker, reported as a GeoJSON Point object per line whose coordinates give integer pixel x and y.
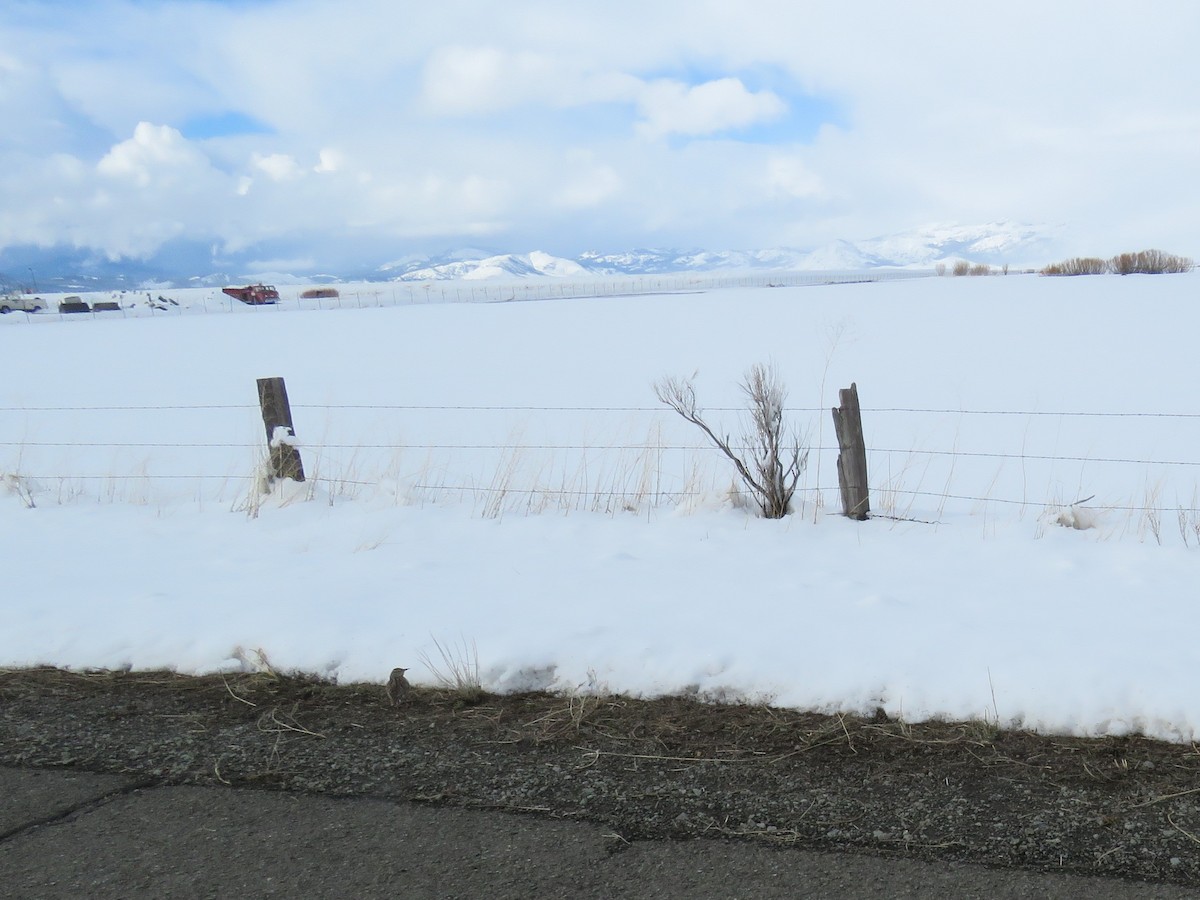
{"type": "Point", "coordinates": [140, 476]}
{"type": "Point", "coordinates": [427, 407]}
{"type": "Point", "coordinates": [136, 444]}
{"type": "Point", "coordinates": [659, 495]}
{"type": "Point", "coordinates": [1034, 457]}
{"type": "Point", "coordinates": [1102, 507]}
{"type": "Point", "coordinates": [151, 408]}
{"type": "Point", "coordinates": [605, 448]}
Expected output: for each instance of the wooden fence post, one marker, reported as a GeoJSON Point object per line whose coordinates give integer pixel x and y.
{"type": "Point", "coordinates": [277, 414]}
{"type": "Point", "coordinates": [852, 455]}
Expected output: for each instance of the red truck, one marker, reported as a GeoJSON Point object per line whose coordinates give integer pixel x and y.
{"type": "Point", "coordinates": [254, 294]}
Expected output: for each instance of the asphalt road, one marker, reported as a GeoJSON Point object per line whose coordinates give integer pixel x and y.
{"type": "Point", "coordinates": [73, 834]}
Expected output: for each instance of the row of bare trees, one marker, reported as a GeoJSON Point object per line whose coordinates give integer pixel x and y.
{"type": "Point", "coordinates": [1143, 262]}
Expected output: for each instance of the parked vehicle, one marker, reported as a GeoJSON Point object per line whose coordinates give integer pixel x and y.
{"type": "Point", "coordinates": [74, 304]}
{"type": "Point", "coordinates": [254, 294]}
{"type": "Point", "coordinates": [23, 302]}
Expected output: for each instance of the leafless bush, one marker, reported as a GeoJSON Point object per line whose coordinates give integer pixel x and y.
{"type": "Point", "coordinates": [940, 268]}
{"type": "Point", "coordinates": [1149, 262]}
{"type": "Point", "coordinates": [1144, 262]}
{"type": "Point", "coordinates": [1077, 265]}
{"type": "Point", "coordinates": [961, 267]}
{"type": "Point", "coordinates": [981, 269]}
{"type": "Point", "coordinates": [769, 464]}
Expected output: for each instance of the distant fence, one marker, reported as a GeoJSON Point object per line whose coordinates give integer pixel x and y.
{"type": "Point", "coordinates": [157, 302]}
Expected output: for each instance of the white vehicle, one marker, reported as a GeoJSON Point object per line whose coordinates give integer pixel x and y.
{"type": "Point", "coordinates": [19, 301]}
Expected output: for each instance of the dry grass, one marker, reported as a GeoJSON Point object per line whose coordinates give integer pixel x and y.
{"type": "Point", "coordinates": [457, 669]}
{"type": "Point", "coordinates": [677, 731]}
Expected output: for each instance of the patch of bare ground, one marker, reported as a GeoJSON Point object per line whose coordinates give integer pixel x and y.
{"type": "Point", "coordinates": [669, 768]}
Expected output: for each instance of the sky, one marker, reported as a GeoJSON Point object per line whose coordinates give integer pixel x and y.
{"type": "Point", "coordinates": [301, 135]}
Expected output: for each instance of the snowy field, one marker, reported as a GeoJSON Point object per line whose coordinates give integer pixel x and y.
{"type": "Point", "coordinates": [500, 475]}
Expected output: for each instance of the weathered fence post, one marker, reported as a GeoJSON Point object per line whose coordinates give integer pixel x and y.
{"type": "Point", "coordinates": [852, 455]}
{"type": "Point", "coordinates": [277, 417]}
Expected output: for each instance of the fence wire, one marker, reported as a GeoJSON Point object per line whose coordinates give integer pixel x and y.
{"type": "Point", "coordinates": [431, 407]}
{"type": "Point", "coordinates": [643, 447]}
{"type": "Point", "coordinates": [639, 447]}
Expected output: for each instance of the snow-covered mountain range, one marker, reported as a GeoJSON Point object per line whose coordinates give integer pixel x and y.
{"type": "Point", "coordinates": [995, 244]}
{"type": "Point", "coordinates": [73, 269]}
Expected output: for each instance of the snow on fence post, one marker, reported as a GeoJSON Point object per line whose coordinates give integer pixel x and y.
{"type": "Point", "coordinates": [277, 417]}
{"type": "Point", "coordinates": [852, 455]}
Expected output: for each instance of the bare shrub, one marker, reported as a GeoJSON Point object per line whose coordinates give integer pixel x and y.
{"type": "Point", "coordinates": [770, 465]}
{"type": "Point", "coordinates": [940, 268]}
{"type": "Point", "coordinates": [21, 486]}
{"type": "Point", "coordinates": [981, 269]}
{"type": "Point", "coordinates": [1077, 265]}
{"type": "Point", "coordinates": [1149, 262]}
{"type": "Point", "coordinates": [1144, 262]}
{"type": "Point", "coordinates": [961, 267]}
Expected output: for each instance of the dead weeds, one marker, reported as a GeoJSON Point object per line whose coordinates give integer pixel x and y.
{"type": "Point", "coordinates": [669, 728]}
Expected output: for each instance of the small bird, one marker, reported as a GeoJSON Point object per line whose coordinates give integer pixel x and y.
{"type": "Point", "coordinates": [398, 687]}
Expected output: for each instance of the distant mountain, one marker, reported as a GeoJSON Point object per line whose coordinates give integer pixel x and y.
{"type": "Point", "coordinates": [995, 244]}
{"type": "Point", "coordinates": [182, 264]}
{"type": "Point", "coordinates": [68, 270]}
{"type": "Point", "coordinates": [415, 261]}
{"type": "Point", "coordinates": [838, 255]}
{"type": "Point", "coordinates": [457, 265]}
{"type": "Point", "coordinates": [842, 255]}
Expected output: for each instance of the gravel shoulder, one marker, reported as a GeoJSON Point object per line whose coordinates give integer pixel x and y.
{"type": "Point", "coordinates": [671, 768]}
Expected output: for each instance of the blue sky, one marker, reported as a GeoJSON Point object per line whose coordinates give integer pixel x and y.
{"type": "Point", "coordinates": [319, 132]}
{"type": "Point", "coordinates": [229, 123]}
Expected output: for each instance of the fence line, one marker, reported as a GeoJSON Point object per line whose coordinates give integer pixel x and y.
{"type": "Point", "coordinates": [911, 451]}
{"type": "Point", "coordinates": [385, 407]}
{"type": "Point", "coordinates": [140, 476]}
{"type": "Point", "coordinates": [617, 486]}
{"type": "Point", "coordinates": [741, 493]}
{"type": "Point", "coordinates": [375, 295]}
{"type": "Point", "coordinates": [655, 492]}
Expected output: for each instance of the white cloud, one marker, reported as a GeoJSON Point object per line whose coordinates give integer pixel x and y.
{"type": "Point", "coordinates": [791, 177]}
{"type": "Point", "coordinates": [484, 79]}
{"type": "Point", "coordinates": [566, 125]}
{"type": "Point", "coordinates": [460, 80]}
{"type": "Point", "coordinates": [589, 188]}
{"type": "Point", "coordinates": [278, 166]}
{"type": "Point", "coordinates": [330, 160]}
{"type": "Point", "coordinates": [671, 107]}
{"type": "Point", "coordinates": [297, 264]}
{"type": "Point", "coordinates": [155, 154]}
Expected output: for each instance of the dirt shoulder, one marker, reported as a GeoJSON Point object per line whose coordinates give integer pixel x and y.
{"type": "Point", "coordinates": [648, 769]}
